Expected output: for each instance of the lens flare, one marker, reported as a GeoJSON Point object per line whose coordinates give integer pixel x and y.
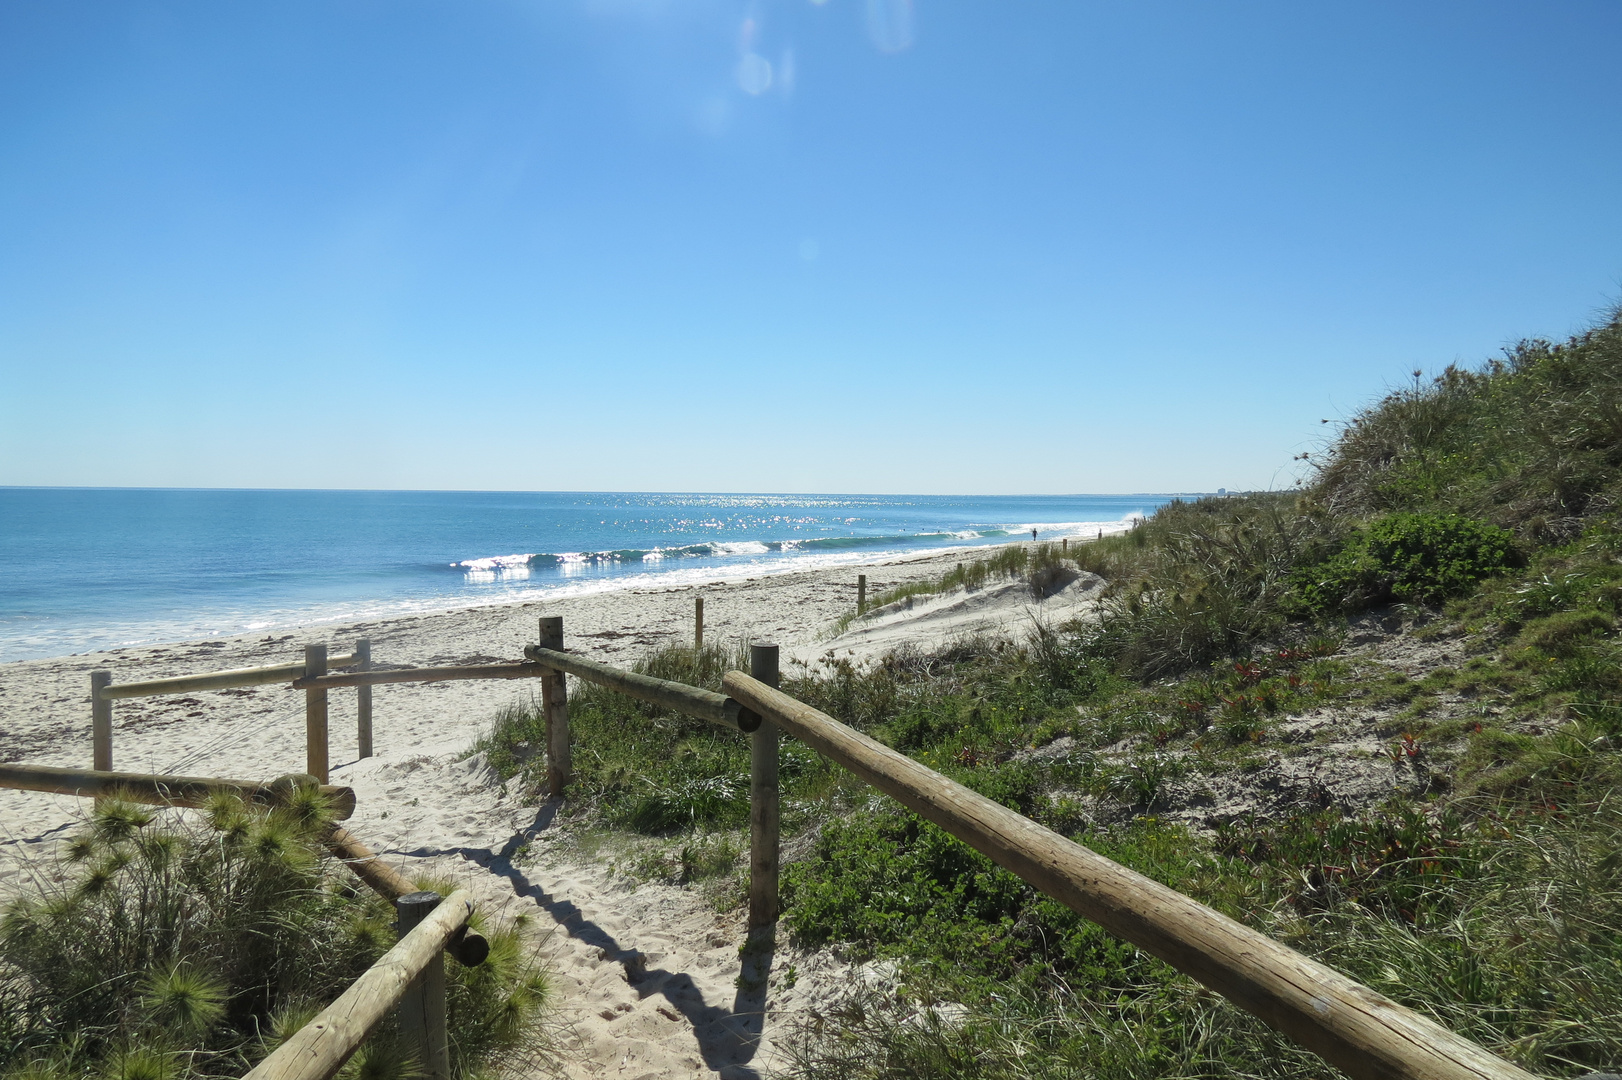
{"type": "Point", "coordinates": [754, 74]}
{"type": "Point", "coordinates": [889, 24]}
{"type": "Point", "coordinates": [785, 71]}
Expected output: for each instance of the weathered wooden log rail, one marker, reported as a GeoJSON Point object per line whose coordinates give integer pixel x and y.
{"type": "Point", "coordinates": [103, 692]}
{"type": "Point", "coordinates": [410, 977]}
{"type": "Point", "coordinates": [162, 790]}
{"type": "Point", "coordinates": [215, 680]}
{"type": "Point", "coordinates": [678, 697]}
{"type": "Point", "coordinates": [469, 947]}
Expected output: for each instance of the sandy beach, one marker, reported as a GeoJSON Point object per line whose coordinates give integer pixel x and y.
{"type": "Point", "coordinates": [647, 976]}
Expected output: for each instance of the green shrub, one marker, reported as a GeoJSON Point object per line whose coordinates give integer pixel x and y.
{"type": "Point", "coordinates": [1501, 928]}
{"type": "Point", "coordinates": [1413, 558]}
{"type": "Point", "coordinates": [182, 948]}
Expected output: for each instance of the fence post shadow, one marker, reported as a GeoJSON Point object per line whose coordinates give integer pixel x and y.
{"type": "Point", "coordinates": [754, 979]}
{"type": "Point", "coordinates": [726, 1039]}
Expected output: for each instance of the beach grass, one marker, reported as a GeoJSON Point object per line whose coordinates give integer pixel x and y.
{"type": "Point", "coordinates": [184, 944]}
{"type": "Point", "coordinates": [1034, 563]}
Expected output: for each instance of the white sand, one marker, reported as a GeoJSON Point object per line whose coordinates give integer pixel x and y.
{"type": "Point", "coordinates": [930, 622]}
{"type": "Point", "coordinates": [647, 976]}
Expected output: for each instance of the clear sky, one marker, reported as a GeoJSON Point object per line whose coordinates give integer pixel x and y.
{"type": "Point", "coordinates": [955, 246]}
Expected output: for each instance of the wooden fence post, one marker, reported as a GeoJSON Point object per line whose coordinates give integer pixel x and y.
{"type": "Point", "coordinates": [101, 722]}
{"type": "Point", "coordinates": [861, 593]}
{"type": "Point", "coordinates": [1064, 545]}
{"type": "Point", "coordinates": [315, 715]}
{"type": "Point", "coordinates": [698, 622]}
{"type": "Point", "coordinates": [422, 1006]}
{"type": "Point", "coordinates": [763, 800]}
{"type": "Point", "coordinates": [555, 708]}
{"type": "Point", "coordinates": [363, 699]}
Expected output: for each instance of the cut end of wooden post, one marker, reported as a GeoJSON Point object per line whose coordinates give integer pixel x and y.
{"type": "Point", "coordinates": [552, 632]}
{"type": "Point", "coordinates": [763, 663]}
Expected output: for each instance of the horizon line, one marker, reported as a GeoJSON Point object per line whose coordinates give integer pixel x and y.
{"type": "Point", "coordinates": [625, 491]}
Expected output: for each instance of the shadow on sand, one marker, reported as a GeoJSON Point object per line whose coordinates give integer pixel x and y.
{"type": "Point", "coordinates": [727, 1039]}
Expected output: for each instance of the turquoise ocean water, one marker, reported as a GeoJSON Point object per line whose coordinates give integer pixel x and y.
{"type": "Point", "coordinates": [90, 568]}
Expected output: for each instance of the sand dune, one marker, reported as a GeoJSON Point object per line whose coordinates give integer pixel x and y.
{"type": "Point", "coordinates": [926, 623]}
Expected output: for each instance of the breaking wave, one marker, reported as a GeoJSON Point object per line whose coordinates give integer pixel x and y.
{"type": "Point", "coordinates": [520, 566]}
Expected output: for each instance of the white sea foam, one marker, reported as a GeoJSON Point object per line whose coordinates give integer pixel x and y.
{"type": "Point", "coordinates": [496, 562]}
{"type": "Point", "coordinates": [496, 568]}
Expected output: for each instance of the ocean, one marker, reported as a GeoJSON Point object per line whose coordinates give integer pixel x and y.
{"type": "Point", "coordinates": [83, 569]}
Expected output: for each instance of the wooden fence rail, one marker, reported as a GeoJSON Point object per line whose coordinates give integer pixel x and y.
{"type": "Point", "coordinates": [1350, 1026]}
{"type": "Point", "coordinates": [455, 673]}
{"type": "Point", "coordinates": [679, 697]}
{"type": "Point", "coordinates": [469, 947]}
{"type": "Point", "coordinates": [319, 1049]}
{"type": "Point", "coordinates": [103, 692]}
{"type": "Point", "coordinates": [162, 790]}
{"type": "Point", "coordinates": [217, 680]}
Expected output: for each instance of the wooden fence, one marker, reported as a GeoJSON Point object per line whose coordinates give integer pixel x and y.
{"type": "Point", "coordinates": [1350, 1026]}
{"type": "Point", "coordinates": [103, 692]}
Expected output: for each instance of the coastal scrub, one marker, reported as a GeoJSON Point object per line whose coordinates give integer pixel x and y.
{"type": "Point", "coordinates": [183, 945]}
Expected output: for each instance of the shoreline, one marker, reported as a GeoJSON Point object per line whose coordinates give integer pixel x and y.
{"type": "Point", "coordinates": [220, 565]}
{"type": "Point", "coordinates": [45, 709]}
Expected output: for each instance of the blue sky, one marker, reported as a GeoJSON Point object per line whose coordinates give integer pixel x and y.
{"type": "Point", "coordinates": [856, 245]}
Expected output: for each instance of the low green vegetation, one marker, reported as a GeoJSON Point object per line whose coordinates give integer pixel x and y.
{"type": "Point", "coordinates": [1411, 558]}
{"type": "Point", "coordinates": [1379, 718]}
{"type": "Point", "coordinates": [185, 944]}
